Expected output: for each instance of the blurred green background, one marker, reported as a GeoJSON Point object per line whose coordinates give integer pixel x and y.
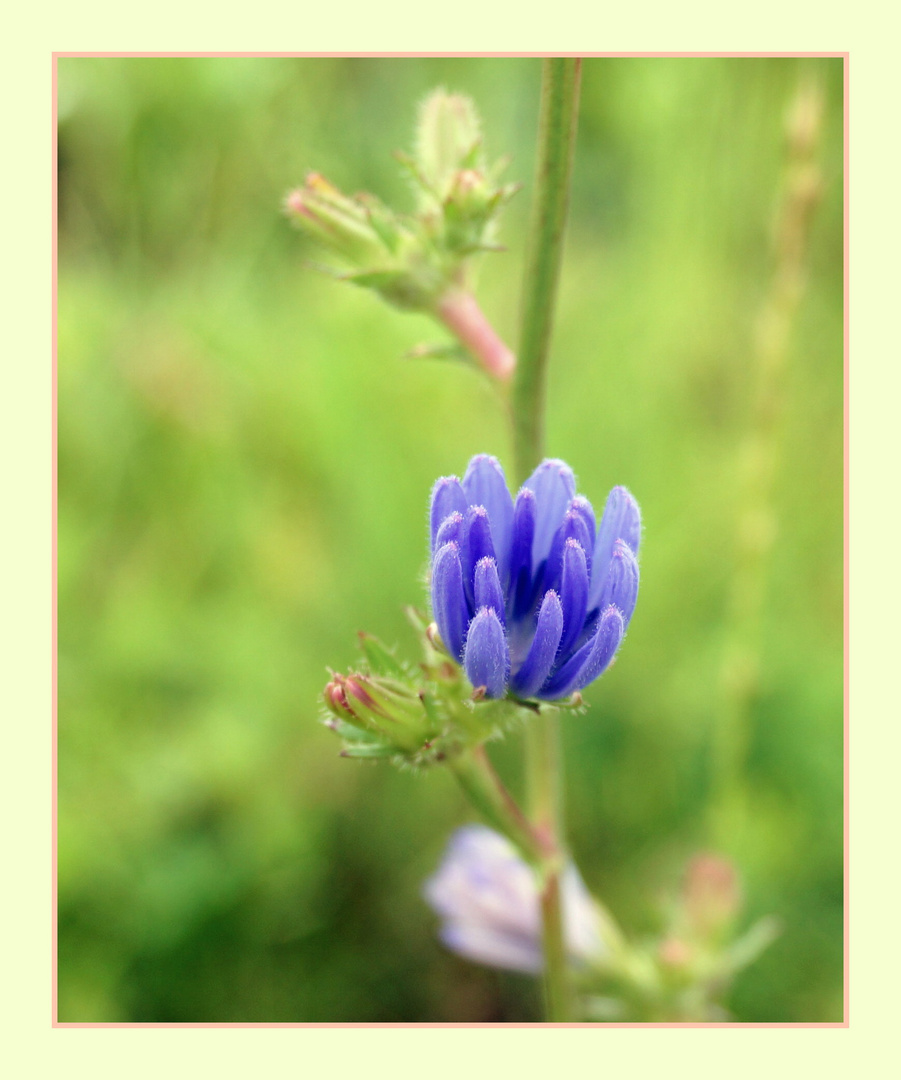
{"type": "Point", "coordinates": [244, 465]}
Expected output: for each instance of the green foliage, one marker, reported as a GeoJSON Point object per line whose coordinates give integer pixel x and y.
{"type": "Point", "coordinates": [245, 462]}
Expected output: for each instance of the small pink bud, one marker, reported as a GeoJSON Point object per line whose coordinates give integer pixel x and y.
{"type": "Point", "coordinates": [352, 685]}
{"type": "Point", "coordinates": [711, 894]}
{"type": "Point", "coordinates": [335, 697]}
{"type": "Point", "coordinates": [674, 953]}
{"type": "Point", "coordinates": [467, 180]}
{"type": "Point", "coordinates": [294, 203]}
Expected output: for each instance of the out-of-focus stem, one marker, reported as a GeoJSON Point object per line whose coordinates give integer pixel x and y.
{"type": "Point", "coordinates": [759, 452]}
{"type": "Point", "coordinates": [544, 775]}
{"type": "Point", "coordinates": [461, 314]}
{"type": "Point", "coordinates": [537, 839]}
{"type": "Point", "coordinates": [486, 791]}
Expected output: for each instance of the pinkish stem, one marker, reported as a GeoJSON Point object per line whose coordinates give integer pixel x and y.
{"type": "Point", "coordinates": [464, 318]}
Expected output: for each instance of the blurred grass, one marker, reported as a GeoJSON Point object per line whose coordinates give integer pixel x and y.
{"type": "Point", "coordinates": [244, 467]}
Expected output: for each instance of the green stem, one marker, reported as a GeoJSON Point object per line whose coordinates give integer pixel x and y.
{"type": "Point", "coordinates": [556, 141]}
{"type": "Point", "coordinates": [485, 790]}
{"type": "Point", "coordinates": [544, 778]}
{"type": "Point", "coordinates": [759, 460]}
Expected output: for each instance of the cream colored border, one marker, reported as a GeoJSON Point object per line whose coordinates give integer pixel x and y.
{"type": "Point", "coordinates": [32, 1047]}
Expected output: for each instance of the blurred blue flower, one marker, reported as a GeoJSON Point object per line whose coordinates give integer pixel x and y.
{"type": "Point", "coordinates": [531, 596]}
{"type": "Point", "coordinates": [487, 897]}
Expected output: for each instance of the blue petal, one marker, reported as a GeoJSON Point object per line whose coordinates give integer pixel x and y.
{"type": "Point", "coordinates": [523, 533]}
{"type": "Point", "coordinates": [620, 586]}
{"type": "Point", "coordinates": [447, 496]}
{"type": "Point", "coordinates": [487, 587]}
{"type": "Point", "coordinates": [590, 661]}
{"type": "Point", "coordinates": [538, 663]}
{"type": "Point", "coordinates": [487, 656]}
{"type": "Point", "coordinates": [584, 508]}
{"type": "Point", "coordinates": [573, 527]}
{"type": "Point", "coordinates": [621, 521]}
{"type": "Point", "coordinates": [452, 529]}
{"type": "Point", "coordinates": [448, 599]}
{"type": "Point", "coordinates": [554, 486]}
{"type": "Point", "coordinates": [573, 594]}
{"type": "Point", "coordinates": [477, 545]}
{"type": "Point", "coordinates": [485, 485]}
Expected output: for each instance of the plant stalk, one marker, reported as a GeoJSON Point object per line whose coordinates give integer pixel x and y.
{"type": "Point", "coordinates": [556, 140]}
{"type": "Point", "coordinates": [461, 314]}
{"type": "Point", "coordinates": [485, 790]}
{"type": "Point", "coordinates": [544, 778]}
{"type": "Point", "coordinates": [759, 456]}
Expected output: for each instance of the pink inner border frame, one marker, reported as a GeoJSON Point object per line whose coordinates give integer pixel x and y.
{"type": "Point", "coordinates": [55, 1022]}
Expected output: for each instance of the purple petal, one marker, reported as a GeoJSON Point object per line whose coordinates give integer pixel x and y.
{"type": "Point", "coordinates": [590, 661]}
{"type": "Point", "coordinates": [487, 897]}
{"type": "Point", "coordinates": [486, 945]}
{"type": "Point", "coordinates": [583, 507]}
{"type": "Point", "coordinates": [449, 599]}
{"type": "Point", "coordinates": [486, 658]}
{"type": "Point", "coordinates": [452, 529]}
{"type": "Point", "coordinates": [485, 485]}
{"type": "Point", "coordinates": [483, 879]}
{"type": "Point", "coordinates": [447, 496]}
{"type": "Point", "coordinates": [573, 594]}
{"type": "Point", "coordinates": [540, 659]}
{"type": "Point", "coordinates": [487, 587]}
{"type": "Point", "coordinates": [523, 533]}
{"type": "Point", "coordinates": [621, 521]}
{"type": "Point", "coordinates": [554, 486]}
{"type": "Point", "coordinates": [573, 527]}
{"type": "Point", "coordinates": [620, 586]}
{"type": "Point", "coordinates": [478, 544]}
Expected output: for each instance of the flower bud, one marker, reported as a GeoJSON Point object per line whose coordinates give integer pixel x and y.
{"type": "Point", "coordinates": [385, 710]}
{"type": "Point", "coordinates": [335, 698]}
{"type": "Point", "coordinates": [447, 140]}
{"type": "Point", "coordinates": [417, 262]}
{"type": "Point", "coordinates": [333, 219]}
{"type": "Point", "coordinates": [487, 897]}
{"type": "Point", "coordinates": [710, 895]}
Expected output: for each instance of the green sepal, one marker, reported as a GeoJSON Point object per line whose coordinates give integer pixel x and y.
{"type": "Point", "coordinates": [413, 170]}
{"type": "Point", "coordinates": [472, 158]}
{"type": "Point", "coordinates": [448, 351]}
{"type": "Point", "coordinates": [383, 221]}
{"type": "Point", "coordinates": [371, 752]}
{"type": "Point", "coordinates": [351, 732]}
{"type": "Point", "coordinates": [380, 658]}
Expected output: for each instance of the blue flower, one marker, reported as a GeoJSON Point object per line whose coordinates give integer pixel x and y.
{"type": "Point", "coordinates": [487, 897]}
{"type": "Point", "coordinates": [531, 596]}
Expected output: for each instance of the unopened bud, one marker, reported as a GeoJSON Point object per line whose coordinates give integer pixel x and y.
{"type": "Point", "coordinates": [354, 687]}
{"type": "Point", "coordinates": [711, 895]}
{"type": "Point", "coordinates": [674, 953]}
{"type": "Point", "coordinates": [335, 697]}
{"type": "Point", "coordinates": [335, 220]}
{"type": "Point", "coordinates": [447, 139]}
